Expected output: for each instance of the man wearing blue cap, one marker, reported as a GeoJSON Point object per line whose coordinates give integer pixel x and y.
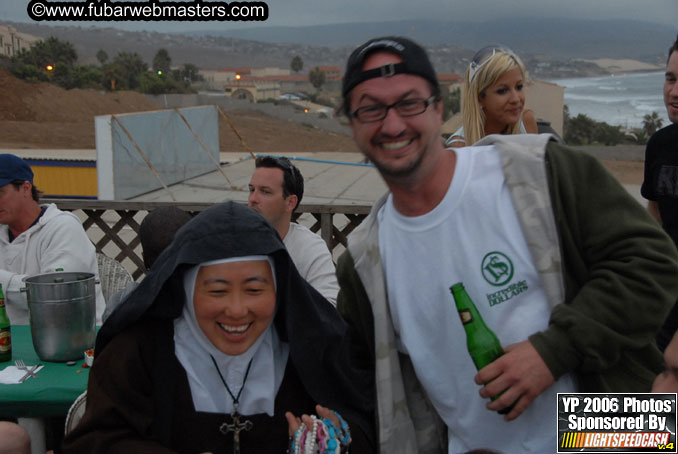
{"type": "Point", "coordinates": [36, 239]}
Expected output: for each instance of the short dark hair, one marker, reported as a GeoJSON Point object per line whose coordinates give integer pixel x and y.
{"type": "Point", "coordinates": [672, 49]}
{"type": "Point", "coordinates": [293, 181]}
{"type": "Point", "coordinates": [35, 193]}
{"type": "Point", "coordinates": [157, 230]}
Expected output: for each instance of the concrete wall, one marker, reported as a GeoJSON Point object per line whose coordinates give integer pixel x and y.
{"type": "Point", "coordinates": [141, 152]}
{"type": "Point", "coordinates": [546, 100]}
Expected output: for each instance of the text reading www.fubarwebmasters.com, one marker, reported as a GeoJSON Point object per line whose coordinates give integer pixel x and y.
{"type": "Point", "coordinates": [151, 10]}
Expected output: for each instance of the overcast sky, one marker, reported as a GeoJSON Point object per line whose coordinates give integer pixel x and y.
{"type": "Point", "coordinates": [317, 12]}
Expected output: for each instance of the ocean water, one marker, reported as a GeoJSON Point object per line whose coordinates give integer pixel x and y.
{"type": "Point", "coordinates": [617, 100]}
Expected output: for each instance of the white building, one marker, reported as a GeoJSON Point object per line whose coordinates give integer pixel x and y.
{"type": "Point", "coordinates": [12, 42]}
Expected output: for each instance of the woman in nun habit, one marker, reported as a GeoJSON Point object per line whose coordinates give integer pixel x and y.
{"type": "Point", "coordinates": [221, 349]}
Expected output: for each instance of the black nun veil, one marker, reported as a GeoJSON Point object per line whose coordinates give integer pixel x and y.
{"type": "Point", "coordinates": [316, 333]}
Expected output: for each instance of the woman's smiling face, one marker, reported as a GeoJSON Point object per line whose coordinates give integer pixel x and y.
{"type": "Point", "coordinates": [503, 102]}
{"type": "Point", "coordinates": [234, 303]}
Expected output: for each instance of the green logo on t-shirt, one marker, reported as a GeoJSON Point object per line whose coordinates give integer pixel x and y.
{"type": "Point", "coordinates": [497, 268]}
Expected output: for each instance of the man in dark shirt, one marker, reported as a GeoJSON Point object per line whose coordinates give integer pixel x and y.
{"type": "Point", "coordinates": [655, 153]}
{"type": "Point", "coordinates": [660, 186]}
{"type": "Point", "coordinates": [661, 178]}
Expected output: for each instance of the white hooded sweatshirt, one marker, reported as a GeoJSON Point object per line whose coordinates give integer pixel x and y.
{"type": "Point", "coordinates": [57, 240]}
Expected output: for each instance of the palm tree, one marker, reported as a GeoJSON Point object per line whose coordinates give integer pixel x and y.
{"type": "Point", "coordinates": [162, 62]}
{"type": "Point", "coordinates": [651, 123]}
{"type": "Point", "coordinates": [317, 78]}
{"type": "Point", "coordinates": [297, 64]}
{"type": "Point", "coordinates": [127, 67]}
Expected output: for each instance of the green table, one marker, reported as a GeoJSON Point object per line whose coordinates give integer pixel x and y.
{"type": "Point", "coordinates": [51, 393]}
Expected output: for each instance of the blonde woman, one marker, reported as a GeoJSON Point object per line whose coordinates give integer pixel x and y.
{"type": "Point", "coordinates": [493, 97]}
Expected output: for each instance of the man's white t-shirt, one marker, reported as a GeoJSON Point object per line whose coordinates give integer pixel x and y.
{"type": "Point", "coordinates": [313, 259]}
{"type": "Point", "coordinates": [473, 236]}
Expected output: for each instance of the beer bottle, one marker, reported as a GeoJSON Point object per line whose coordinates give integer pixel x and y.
{"type": "Point", "coordinates": [5, 332]}
{"type": "Point", "coordinates": [483, 345]}
{"type": "Point", "coordinates": [59, 280]}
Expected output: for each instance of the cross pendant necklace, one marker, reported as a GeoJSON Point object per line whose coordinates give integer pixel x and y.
{"type": "Point", "coordinates": [236, 426]}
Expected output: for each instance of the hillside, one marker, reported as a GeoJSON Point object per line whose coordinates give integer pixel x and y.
{"type": "Point", "coordinates": [551, 48]}
{"type": "Point", "coordinates": [557, 37]}
{"type": "Point", "coordinates": [41, 115]}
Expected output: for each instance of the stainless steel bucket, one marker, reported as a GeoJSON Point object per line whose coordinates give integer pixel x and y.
{"type": "Point", "coordinates": [62, 309]}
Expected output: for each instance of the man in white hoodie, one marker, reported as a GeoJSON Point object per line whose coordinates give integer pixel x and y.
{"type": "Point", "coordinates": [36, 239]}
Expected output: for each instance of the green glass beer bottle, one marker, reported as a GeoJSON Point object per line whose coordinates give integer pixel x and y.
{"type": "Point", "coordinates": [5, 332]}
{"type": "Point", "coordinates": [483, 345]}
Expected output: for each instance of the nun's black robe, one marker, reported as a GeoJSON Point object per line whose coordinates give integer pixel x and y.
{"type": "Point", "coordinates": [138, 397]}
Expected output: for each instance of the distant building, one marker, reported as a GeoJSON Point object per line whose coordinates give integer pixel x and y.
{"type": "Point", "coordinates": [252, 88]}
{"type": "Point", "coordinates": [216, 78]}
{"type": "Point", "coordinates": [12, 42]}
{"type": "Point", "coordinates": [331, 71]}
{"type": "Point", "coordinates": [257, 84]}
{"type": "Point", "coordinates": [448, 82]}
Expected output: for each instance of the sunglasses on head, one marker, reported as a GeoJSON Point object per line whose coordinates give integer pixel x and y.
{"type": "Point", "coordinates": [484, 55]}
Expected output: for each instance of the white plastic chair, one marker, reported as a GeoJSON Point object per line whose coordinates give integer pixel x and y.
{"type": "Point", "coordinates": [112, 275]}
{"type": "Point", "coordinates": [76, 412]}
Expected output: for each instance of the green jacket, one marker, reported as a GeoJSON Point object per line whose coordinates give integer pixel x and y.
{"type": "Point", "coordinates": [608, 270]}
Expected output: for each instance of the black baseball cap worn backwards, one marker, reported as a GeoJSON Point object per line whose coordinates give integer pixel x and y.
{"type": "Point", "coordinates": [415, 61]}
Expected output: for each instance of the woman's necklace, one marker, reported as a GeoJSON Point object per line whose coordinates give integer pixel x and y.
{"type": "Point", "coordinates": [236, 426]}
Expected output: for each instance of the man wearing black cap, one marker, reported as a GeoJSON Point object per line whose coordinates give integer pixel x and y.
{"type": "Point", "coordinates": [36, 239]}
{"type": "Point", "coordinates": [573, 297]}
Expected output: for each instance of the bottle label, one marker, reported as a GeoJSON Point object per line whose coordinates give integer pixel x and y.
{"type": "Point", "coordinates": [465, 316]}
{"type": "Point", "coordinates": [5, 340]}
{"type": "Point", "coordinates": [2, 302]}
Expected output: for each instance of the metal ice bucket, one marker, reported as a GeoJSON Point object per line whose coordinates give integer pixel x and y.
{"type": "Point", "coordinates": [62, 309]}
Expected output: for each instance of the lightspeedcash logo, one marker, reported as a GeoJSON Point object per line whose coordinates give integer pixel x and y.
{"type": "Point", "coordinates": [150, 10]}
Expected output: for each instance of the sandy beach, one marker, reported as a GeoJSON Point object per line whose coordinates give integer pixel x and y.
{"type": "Point", "coordinates": [620, 66]}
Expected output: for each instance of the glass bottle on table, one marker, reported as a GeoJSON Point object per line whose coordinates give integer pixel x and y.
{"type": "Point", "coordinates": [483, 345]}
{"type": "Point", "coordinates": [5, 331]}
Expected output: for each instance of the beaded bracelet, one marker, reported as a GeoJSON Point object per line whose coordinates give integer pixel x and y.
{"type": "Point", "coordinates": [310, 442]}
{"type": "Point", "coordinates": [323, 438]}
{"type": "Point", "coordinates": [333, 445]}
{"type": "Point", "coordinates": [296, 445]}
{"type": "Point", "coordinates": [345, 435]}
